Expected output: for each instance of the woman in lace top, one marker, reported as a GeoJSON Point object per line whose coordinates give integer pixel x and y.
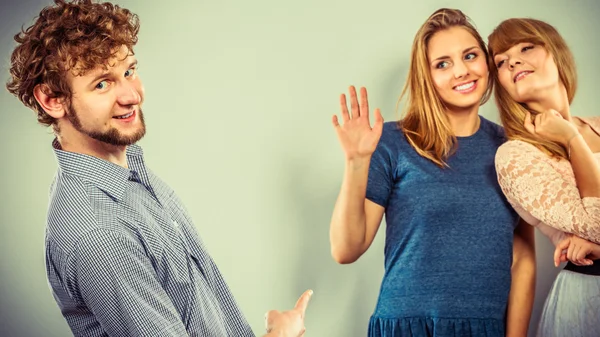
{"type": "Point", "coordinates": [549, 169]}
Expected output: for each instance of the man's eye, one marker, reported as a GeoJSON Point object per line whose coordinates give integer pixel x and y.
{"type": "Point", "coordinates": [102, 85]}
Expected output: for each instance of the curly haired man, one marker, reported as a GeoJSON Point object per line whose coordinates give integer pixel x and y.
{"type": "Point", "coordinates": [122, 255]}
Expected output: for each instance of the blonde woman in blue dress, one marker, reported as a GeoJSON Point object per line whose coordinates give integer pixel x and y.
{"type": "Point", "coordinates": [449, 234]}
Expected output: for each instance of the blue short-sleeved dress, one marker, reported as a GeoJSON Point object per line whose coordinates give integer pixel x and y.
{"type": "Point", "coordinates": [449, 234]}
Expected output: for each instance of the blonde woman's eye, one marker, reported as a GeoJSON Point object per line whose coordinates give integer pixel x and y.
{"type": "Point", "coordinates": [129, 72]}
{"type": "Point", "coordinates": [526, 48]}
{"type": "Point", "coordinates": [441, 65]}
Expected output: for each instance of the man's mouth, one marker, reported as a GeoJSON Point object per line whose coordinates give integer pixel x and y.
{"type": "Point", "coordinates": [125, 116]}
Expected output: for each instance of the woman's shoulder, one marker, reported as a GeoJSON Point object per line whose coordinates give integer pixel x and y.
{"type": "Point", "coordinates": [518, 146]}
{"type": "Point", "coordinates": [594, 121]}
{"type": "Point", "coordinates": [392, 133]}
{"type": "Point", "coordinates": [494, 130]}
{"type": "Point", "coordinates": [516, 151]}
{"type": "Point", "coordinates": [392, 127]}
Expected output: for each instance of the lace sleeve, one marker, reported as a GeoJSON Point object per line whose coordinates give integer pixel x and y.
{"type": "Point", "coordinates": [529, 180]}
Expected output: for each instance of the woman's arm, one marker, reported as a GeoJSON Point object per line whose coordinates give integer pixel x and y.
{"type": "Point", "coordinates": [522, 288]}
{"type": "Point", "coordinates": [355, 219]}
{"type": "Point", "coordinates": [530, 181]}
{"type": "Point", "coordinates": [577, 250]}
{"type": "Point", "coordinates": [585, 167]}
{"type": "Point", "coordinates": [550, 125]}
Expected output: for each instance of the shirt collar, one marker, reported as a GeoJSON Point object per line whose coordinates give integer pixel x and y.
{"type": "Point", "coordinates": [108, 177]}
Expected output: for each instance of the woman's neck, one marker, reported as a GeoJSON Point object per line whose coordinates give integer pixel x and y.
{"type": "Point", "coordinates": [554, 98]}
{"type": "Point", "coordinates": [464, 122]}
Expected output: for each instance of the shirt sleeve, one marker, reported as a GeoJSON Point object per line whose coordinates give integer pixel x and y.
{"type": "Point", "coordinates": [529, 181]}
{"type": "Point", "coordinates": [117, 282]}
{"type": "Point", "coordinates": [381, 180]}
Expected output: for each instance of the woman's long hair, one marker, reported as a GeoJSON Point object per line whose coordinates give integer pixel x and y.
{"type": "Point", "coordinates": [425, 123]}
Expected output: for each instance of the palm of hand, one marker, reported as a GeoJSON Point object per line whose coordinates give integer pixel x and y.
{"type": "Point", "coordinates": [357, 137]}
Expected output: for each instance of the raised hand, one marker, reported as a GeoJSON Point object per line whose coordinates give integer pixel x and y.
{"type": "Point", "coordinates": [552, 126]}
{"type": "Point", "coordinates": [357, 138]}
{"type": "Point", "coordinates": [288, 323]}
{"type": "Point", "coordinates": [577, 250]}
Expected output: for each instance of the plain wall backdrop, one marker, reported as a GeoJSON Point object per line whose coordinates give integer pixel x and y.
{"type": "Point", "coordinates": [239, 99]}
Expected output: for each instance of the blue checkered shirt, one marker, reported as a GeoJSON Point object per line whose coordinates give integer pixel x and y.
{"type": "Point", "coordinates": [123, 257]}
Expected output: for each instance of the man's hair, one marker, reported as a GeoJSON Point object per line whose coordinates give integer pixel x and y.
{"type": "Point", "coordinates": [75, 36]}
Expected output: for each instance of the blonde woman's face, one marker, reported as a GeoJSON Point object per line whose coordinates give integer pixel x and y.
{"type": "Point", "coordinates": [458, 68]}
{"type": "Point", "coordinates": [527, 72]}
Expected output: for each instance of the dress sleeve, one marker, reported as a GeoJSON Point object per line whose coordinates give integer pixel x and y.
{"type": "Point", "coordinates": [529, 180]}
{"type": "Point", "coordinates": [381, 177]}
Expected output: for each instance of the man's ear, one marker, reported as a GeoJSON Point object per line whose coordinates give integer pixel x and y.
{"type": "Point", "coordinates": [53, 106]}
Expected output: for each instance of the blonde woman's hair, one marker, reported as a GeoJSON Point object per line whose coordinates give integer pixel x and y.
{"type": "Point", "coordinates": [512, 113]}
{"type": "Point", "coordinates": [425, 123]}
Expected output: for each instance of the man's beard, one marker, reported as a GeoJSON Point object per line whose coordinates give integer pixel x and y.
{"type": "Point", "coordinates": [112, 136]}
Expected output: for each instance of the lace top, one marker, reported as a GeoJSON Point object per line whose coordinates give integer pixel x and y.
{"type": "Point", "coordinates": [544, 193]}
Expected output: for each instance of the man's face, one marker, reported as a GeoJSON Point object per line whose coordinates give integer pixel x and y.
{"type": "Point", "coordinates": [106, 103]}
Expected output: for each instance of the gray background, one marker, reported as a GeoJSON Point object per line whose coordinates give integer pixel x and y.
{"type": "Point", "coordinates": [239, 98]}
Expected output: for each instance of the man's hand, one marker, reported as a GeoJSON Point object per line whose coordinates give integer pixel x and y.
{"type": "Point", "coordinates": [288, 323]}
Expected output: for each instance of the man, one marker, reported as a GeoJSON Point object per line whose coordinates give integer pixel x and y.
{"type": "Point", "coordinates": [122, 255]}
